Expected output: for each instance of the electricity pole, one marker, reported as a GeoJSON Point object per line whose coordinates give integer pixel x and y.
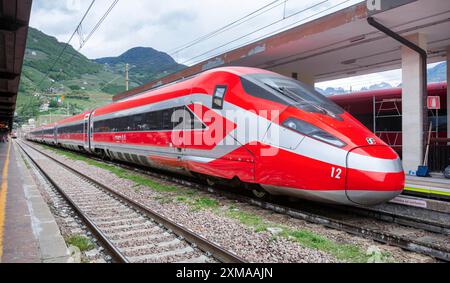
{"type": "Point", "coordinates": [127, 82]}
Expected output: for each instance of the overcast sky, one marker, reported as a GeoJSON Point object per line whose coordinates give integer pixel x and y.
{"type": "Point", "coordinates": [168, 24]}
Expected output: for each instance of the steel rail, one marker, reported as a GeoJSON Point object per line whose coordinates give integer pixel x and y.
{"type": "Point", "coordinates": [387, 212]}
{"type": "Point", "coordinates": [318, 218]}
{"type": "Point", "coordinates": [116, 254]}
{"type": "Point", "coordinates": [188, 235]}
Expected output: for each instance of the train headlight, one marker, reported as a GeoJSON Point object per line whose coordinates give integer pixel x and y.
{"type": "Point", "coordinates": [312, 131]}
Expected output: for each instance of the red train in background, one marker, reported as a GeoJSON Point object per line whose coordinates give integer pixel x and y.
{"type": "Point", "coordinates": [268, 133]}
{"type": "Point", "coordinates": [381, 112]}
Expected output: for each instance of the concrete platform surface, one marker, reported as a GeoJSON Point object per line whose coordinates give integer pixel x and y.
{"type": "Point", "coordinates": [434, 179]}
{"type": "Point", "coordinates": [435, 186]}
{"type": "Point", "coordinates": [28, 230]}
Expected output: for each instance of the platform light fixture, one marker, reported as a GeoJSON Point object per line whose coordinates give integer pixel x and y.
{"type": "Point", "coordinates": [357, 38]}
{"type": "Point", "coordinates": [348, 62]}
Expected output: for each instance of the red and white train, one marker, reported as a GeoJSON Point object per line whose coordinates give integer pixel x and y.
{"type": "Point", "coordinates": [293, 142]}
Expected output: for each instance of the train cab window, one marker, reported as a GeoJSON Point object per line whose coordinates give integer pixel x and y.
{"type": "Point", "coordinates": [219, 97]}
{"type": "Point", "coordinates": [289, 92]}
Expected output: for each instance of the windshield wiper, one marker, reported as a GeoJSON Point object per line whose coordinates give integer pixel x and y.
{"type": "Point", "coordinates": [293, 96]}
{"type": "Point", "coordinates": [317, 106]}
{"type": "Point", "coordinates": [282, 91]}
{"type": "Point", "coordinates": [301, 101]}
{"type": "Point", "coordinates": [304, 101]}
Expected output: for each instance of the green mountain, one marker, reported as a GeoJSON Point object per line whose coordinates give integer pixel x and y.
{"type": "Point", "coordinates": [146, 64]}
{"type": "Point", "coordinates": [83, 83]}
{"type": "Point", "coordinates": [41, 53]}
{"type": "Point", "coordinates": [76, 72]}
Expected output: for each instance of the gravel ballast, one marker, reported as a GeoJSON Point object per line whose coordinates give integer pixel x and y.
{"type": "Point", "coordinates": [255, 234]}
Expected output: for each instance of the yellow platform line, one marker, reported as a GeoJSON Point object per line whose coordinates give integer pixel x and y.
{"type": "Point", "coordinates": [3, 194]}
{"type": "Point", "coordinates": [427, 191]}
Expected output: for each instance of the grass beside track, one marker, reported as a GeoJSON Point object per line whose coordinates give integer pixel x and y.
{"type": "Point", "coordinates": [341, 251]}
{"type": "Point", "coordinates": [345, 252]}
{"type": "Point", "coordinates": [119, 172]}
{"type": "Point", "coordinates": [82, 243]}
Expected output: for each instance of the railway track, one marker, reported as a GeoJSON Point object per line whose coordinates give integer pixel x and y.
{"type": "Point", "coordinates": [387, 224]}
{"type": "Point", "coordinates": [130, 231]}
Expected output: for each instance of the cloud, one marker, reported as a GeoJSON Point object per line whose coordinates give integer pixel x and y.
{"type": "Point", "coordinates": [163, 25]}
{"type": "Point", "coordinates": [166, 25]}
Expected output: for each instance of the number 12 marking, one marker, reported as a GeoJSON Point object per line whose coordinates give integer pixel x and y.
{"type": "Point", "coordinates": [336, 173]}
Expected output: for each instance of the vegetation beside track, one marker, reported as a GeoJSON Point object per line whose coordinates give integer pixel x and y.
{"type": "Point", "coordinates": [306, 238]}
{"type": "Point", "coordinates": [82, 243]}
{"type": "Point", "coordinates": [171, 193]}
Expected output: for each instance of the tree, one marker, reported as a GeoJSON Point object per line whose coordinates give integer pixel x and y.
{"type": "Point", "coordinates": [27, 108]}
{"type": "Point", "coordinates": [75, 87]}
{"type": "Point", "coordinates": [54, 103]}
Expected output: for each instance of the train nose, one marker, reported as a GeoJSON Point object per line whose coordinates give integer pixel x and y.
{"type": "Point", "coordinates": [375, 175]}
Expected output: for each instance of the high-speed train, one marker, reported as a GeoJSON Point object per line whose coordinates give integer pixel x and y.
{"type": "Point", "coordinates": [266, 132]}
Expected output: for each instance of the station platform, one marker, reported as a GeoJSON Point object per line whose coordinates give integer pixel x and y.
{"type": "Point", "coordinates": [435, 186]}
{"type": "Point", "coordinates": [28, 230]}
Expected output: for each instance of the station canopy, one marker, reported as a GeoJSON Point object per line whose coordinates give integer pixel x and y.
{"type": "Point", "coordinates": [338, 45]}
{"type": "Point", "coordinates": [14, 19]}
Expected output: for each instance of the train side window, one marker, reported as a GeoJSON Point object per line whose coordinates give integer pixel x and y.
{"type": "Point", "coordinates": [153, 121]}
{"type": "Point", "coordinates": [167, 123]}
{"type": "Point", "coordinates": [164, 120]}
{"type": "Point", "coordinates": [137, 123]}
{"type": "Point", "coordinates": [219, 97]}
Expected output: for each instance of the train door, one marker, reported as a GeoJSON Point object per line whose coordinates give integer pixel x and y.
{"type": "Point", "coordinates": [91, 130]}
{"type": "Point", "coordinates": [55, 135]}
{"type": "Point", "coordinates": [180, 119]}
{"type": "Point", "coordinates": [86, 132]}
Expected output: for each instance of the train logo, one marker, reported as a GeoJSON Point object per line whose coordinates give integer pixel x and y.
{"type": "Point", "coordinates": [371, 141]}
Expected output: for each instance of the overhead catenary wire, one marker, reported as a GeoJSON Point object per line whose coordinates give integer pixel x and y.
{"type": "Point", "coordinates": [94, 29]}
{"type": "Point", "coordinates": [257, 30]}
{"type": "Point", "coordinates": [115, 79]}
{"type": "Point", "coordinates": [77, 29]}
{"type": "Point", "coordinates": [229, 26]}
{"type": "Point", "coordinates": [99, 23]}
{"type": "Point", "coordinates": [265, 35]}
{"type": "Point", "coordinates": [283, 28]}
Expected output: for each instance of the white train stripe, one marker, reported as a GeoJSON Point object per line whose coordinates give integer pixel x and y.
{"type": "Point", "coordinates": [307, 147]}
{"type": "Point", "coordinates": [372, 164]}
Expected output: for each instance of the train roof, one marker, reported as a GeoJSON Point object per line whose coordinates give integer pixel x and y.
{"type": "Point", "coordinates": [152, 95]}
{"type": "Point", "coordinates": [239, 71]}
{"type": "Point", "coordinates": [76, 118]}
